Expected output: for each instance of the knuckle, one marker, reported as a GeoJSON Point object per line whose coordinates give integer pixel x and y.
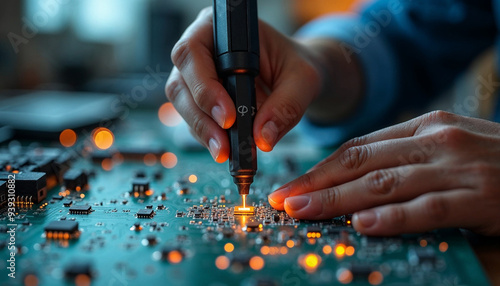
{"type": "Point", "coordinates": [173, 89]}
{"type": "Point", "coordinates": [451, 136]}
{"type": "Point", "coordinates": [330, 197]}
{"type": "Point", "coordinates": [355, 157]}
{"type": "Point", "coordinates": [200, 93]}
{"type": "Point", "coordinates": [436, 208]}
{"type": "Point", "coordinates": [438, 116]}
{"type": "Point", "coordinates": [381, 182]}
{"type": "Point", "coordinates": [180, 52]}
{"type": "Point", "coordinates": [357, 141]}
{"type": "Point", "coordinates": [397, 216]}
{"type": "Point", "coordinates": [307, 181]}
{"type": "Point", "coordinates": [198, 126]}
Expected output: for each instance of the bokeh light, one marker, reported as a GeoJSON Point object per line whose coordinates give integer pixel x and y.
{"type": "Point", "coordinates": [169, 160]}
{"type": "Point", "coordinates": [103, 138]}
{"type": "Point", "coordinates": [168, 115]}
{"type": "Point", "coordinates": [67, 138]}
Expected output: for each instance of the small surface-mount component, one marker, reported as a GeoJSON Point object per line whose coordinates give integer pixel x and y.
{"type": "Point", "coordinates": [77, 268]}
{"type": "Point", "coordinates": [254, 226]}
{"type": "Point", "coordinates": [145, 213]}
{"type": "Point", "coordinates": [67, 203]}
{"type": "Point", "coordinates": [75, 179]}
{"type": "Point", "coordinates": [57, 197]}
{"type": "Point", "coordinates": [140, 185]}
{"type": "Point", "coordinates": [62, 229]}
{"type": "Point", "coordinates": [313, 232]}
{"type": "Point", "coordinates": [422, 255]}
{"type": "Point", "coordinates": [80, 209]}
{"type": "Point", "coordinates": [244, 210]}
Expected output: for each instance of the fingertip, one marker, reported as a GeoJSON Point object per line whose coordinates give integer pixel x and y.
{"type": "Point", "coordinates": [274, 204]}
{"type": "Point", "coordinates": [263, 146]}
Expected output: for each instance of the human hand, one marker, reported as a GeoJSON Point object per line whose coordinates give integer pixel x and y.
{"type": "Point", "coordinates": [437, 170]}
{"type": "Point", "coordinates": [288, 82]}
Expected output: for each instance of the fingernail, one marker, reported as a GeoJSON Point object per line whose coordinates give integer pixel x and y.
{"type": "Point", "coordinates": [297, 203]}
{"type": "Point", "coordinates": [218, 115]}
{"type": "Point", "coordinates": [214, 147]}
{"type": "Point", "coordinates": [366, 218]}
{"type": "Point", "coordinates": [279, 195]}
{"type": "Point", "coordinates": [270, 133]}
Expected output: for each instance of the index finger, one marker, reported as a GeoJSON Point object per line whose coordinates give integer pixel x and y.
{"type": "Point", "coordinates": [193, 56]}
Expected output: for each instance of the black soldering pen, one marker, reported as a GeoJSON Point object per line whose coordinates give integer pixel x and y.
{"type": "Point", "coordinates": [236, 41]}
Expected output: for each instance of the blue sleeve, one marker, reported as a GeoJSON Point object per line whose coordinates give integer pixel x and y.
{"type": "Point", "coordinates": [410, 52]}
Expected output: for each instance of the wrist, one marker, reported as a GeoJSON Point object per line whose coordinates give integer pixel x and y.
{"type": "Point", "coordinates": [341, 78]}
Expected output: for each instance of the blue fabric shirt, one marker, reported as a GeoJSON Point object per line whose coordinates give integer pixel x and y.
{"type": "Point", "coordinates": [410, 51]}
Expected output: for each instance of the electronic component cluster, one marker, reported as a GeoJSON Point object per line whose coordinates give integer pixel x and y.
{"type": "Point", "coordinates": [80, 222]}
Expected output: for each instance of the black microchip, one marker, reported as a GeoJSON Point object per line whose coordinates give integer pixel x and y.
{"type": "Point", "coordinates": [80, 210]}
{"type": "Point", "coordinates": [3, 192]}
{"type": "Point", "coordinates": [67, 203]}
{"type": "Point", "coordinates": [74, 179]}
{"type": "Point", "coordinates": [65, 226]}
{"type": "Point", "coordinates": [57, 197]}
{"type": "Point", "coordinates": [140, 185]}
{"type": "Point", "coordinates": [29, 185]}
{"type": "Point", "coordinates": [76, 268]}
{"type": "Point", "coordinates": [145, 213]}
{"type": "Point", "coordinates": [179, 214]}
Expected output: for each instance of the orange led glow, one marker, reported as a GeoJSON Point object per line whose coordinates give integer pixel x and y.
{"type": "Point", "coordinates": [309, 262]}
{"type": "Point", "coordinates": [423, 243]}
{"type": "Point", "coordinates": [174, 257]}
{"type": "Point", "coordinates": [256, 263]}
{"type": "Point", "coordinates": [107, 164]}
{"type": "Point", "coordinates": [283, 250]}
{"type": "Point", "coordinates": [103, 138]}
{"type": "Point", "coordinates": [312, 260]}
{"type": "Point", "coordinates": [168, 115]}
{"type": "Point", "coordinates": [229, 247]}
{"type": "Point", "coordinates": [290, 243]}
{"type": "Point", "coordinates": [327, 249]}
{"type": "Point", "coordinates": [30, 280]}
{"type": "Point", "coordinates": [169, 160]}
{"type": "Point", "coordinates": [149, 193]}
{"type": "Point", "coordinates": [82, 280]}
{"type": "Point", "coordinates": [349, 251]}
{"type": "Point", "coordinates": [264, 250]}
{"type": "Point", "coordinates": [15, 172]}
{"type": "Point", "coordinates": [443, 246]}
{"type": "Point", "coordinates": [375, 278]}
{"type": "Point", "coordinates": [345, 276]}
{"type": "Point", "coordinates": [192, 178]}
{"type": "Point", "coordinates": [150, 159]}
{"type": "Point", "coordinates": [82, 196]}
{"type": "Point", "coordinates": [222, 262]}
{"type": "Point", "coordinates": [340, 250]}
{"type": "Point", "coordinates": [67, 138]}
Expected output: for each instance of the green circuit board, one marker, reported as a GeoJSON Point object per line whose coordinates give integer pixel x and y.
{"type": "Point", "coordinates": [144, 224]}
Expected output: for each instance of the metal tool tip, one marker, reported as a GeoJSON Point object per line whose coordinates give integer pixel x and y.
{"type": "Point", "coordinates": [243, 189]}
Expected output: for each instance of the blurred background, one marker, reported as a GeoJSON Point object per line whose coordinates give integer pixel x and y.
{"type": "Point", "coordinates": [105, 46]}
{"type": "Point", "coordinates": [71, 63]}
